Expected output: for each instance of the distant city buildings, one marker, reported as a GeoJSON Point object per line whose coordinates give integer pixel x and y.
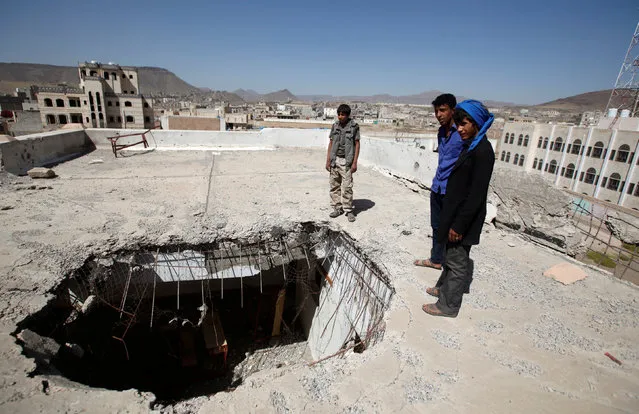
{"type": "Point", "coordinates": [108, 97]}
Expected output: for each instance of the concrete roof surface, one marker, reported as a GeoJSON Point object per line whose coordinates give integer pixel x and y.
{"type": "Point", "coordinates": [521, 343]}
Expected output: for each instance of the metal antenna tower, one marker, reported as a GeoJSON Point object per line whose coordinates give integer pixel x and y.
{"type": "Point", "coordinates": [625, 94]}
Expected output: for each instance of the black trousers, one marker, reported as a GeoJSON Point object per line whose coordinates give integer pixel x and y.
{"type": "Point", "coordinates": [456, 277]}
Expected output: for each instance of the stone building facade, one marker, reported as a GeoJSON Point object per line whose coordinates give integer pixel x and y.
{"type": "Point", "coordinates": [108, 97]}
{"type": "Point", "coordinates": [600, 163]}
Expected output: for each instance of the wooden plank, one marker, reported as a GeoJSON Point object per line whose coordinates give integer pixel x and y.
{"type": "Point", "coordinates": [279, 310]}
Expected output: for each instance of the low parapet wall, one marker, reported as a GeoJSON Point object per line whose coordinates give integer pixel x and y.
{"type": "Point", "coordinates": [412, 159]}
{"type": "Point", "coordinates": [39, 150]}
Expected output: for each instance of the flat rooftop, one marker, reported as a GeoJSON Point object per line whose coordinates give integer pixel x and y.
{"type": "Point", "coordinates": [521, 343]}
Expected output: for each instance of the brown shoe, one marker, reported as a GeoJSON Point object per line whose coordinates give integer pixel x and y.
{"type": "Point", "coordinates": [432, 309]}
{"type": "Point", "coordinates": [433, 291]}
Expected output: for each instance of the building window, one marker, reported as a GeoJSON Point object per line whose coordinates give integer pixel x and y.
{"type": "Point", "coordinates": [570, 171]}
{"type": "Point", "coordinates": [85, 102]}
{"type": "Point", "coordinates": [111, 119]}
{"type": "Point", "coordinates": [84, 72]}
{"type": "Point", "coordinates": [557, 146]}
{"type": "Point", "coordinates": [129, 118]}
{"type": "Point", "coordinates": [506, 138]}
{"type": "Point", "coordinates": [132, 92]}
{"type": "Point", "coordinates": [114, 76]}
{"type": "Point", "coordinates": [552, 167]}
{"type": "Point", "coordinates": [526, 139]}
{"type": "Point", "coordinates": [48, 102]}
{"type": "Point", "coordinates": [576, 147]}
{"type": "Point", "coordinates": [597, 150]}
{"type": "Point", "coordinates": [87, 118]}
{"type": "Point", "coordinates": [127, 103]}
{"type": "Point", "coordinates": [545, 143]}
{"type": "Point", "coordinates": [119, 119]}
{"type": "Point", "coordinates": [541, 163]}
{"type": "Point", "coordinates": [125, 92]}
{"type": "Point", "coordinates": [59, 103]}
{"type": "Point", "coordinates": [62, 119]}
{"type": "Point", "coordinates": [147, 119]}
{"type": "Point", "coordinates": [109, 103]}
{"type": "Point", "coordinates": [146, 104]}
{"type": "Point", "coordinates": [512, 138]}
{"type": "Point", "coordinates": [76, 118]}
{"type": "Point", "coordinates": [106, 75]}
{"type": "Point", "coordinates": [535, 164]}
{"type": "Point", "coordinates": [622, 153]}
{"type": "Point", "coordinates": [613, 182]}
{"type": "Point", "coordinates": [520, 140]}
{"type": "Point", "coordinates": [521, 161]}
{"type": "Point", "coordinates": [516, 160]}
{"type": "Point", "coordinates": [50, 119]}
{"type": "Point", "coordinates": [630, 188]}
{"type": "Point", "coordinates": [508, 157]}
{"type": "Point", "coordinates": [604, 181]}
{"type": "Point", "coordinates": [590, 176]}
{"type": "Point", "coordinates": [130, 76]}
{"type": "Point", "coordinates": [503, 155]}
{"type": "Point", "coordinates": [117, 103]}
{"type": "Point", "coordinates": [541, 140]}
{"type": "Point", "coordinates": [93, 73]}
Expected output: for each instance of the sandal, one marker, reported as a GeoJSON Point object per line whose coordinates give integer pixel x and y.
{"type": "Point", "coordinates": [432, 309]}
{"type": "Point", "coordinates": [433, 291]}
{"type": "Point", "coordinates": [427, 263]}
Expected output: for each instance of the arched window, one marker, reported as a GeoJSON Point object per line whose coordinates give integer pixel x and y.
{"type": "Point", "coordinates": [526, 139]}
{"type": "Point", "coordinates": [508, 157]}
{"type": "Point", "coordinates": [512, 138]}
{"type": "Point", "coordinates": [597, 149]}
{"type": "Point", "coordinates": [535, 164]}
{"type": "Point", "coordinates": [50, 119]}
{"type": "Point", "coordinates": [613, 182]}
{"type": "Point", "coordinates": [101, 116]}
{"type": "Point", "coordinates": [541, 164]}
{"type": "Point", "coordinates": [521, 161]}
{"type": "Point", "coordinates": [520, 140]}
{"type": "Point", "coordinates": [506, 138]}
{"type": "Point", "coordinates": [48, 102]}
{"type": "Point", "coordinates": [516, 160]}
{"type": "Point", "coordinates": [576, 147]}
{"type": "Point", "coordinates": [97, 98]}
{"type": "Point", "coordinates": [545, 143]}
{"type": "Point", "coordinates": [552, 167]}
{"type": "Point", "coordinates": [127, 103]}
{"type": "Point", "coordinates": [557, 146]}
{"type": "Point", "coordinates": [503, 155]}
{"type": "Point", "coordinates": [541, 140]}
{"type": "Point", "coordinates": [129, 118]}
{"type": "Point", "coordinates": [622, 153]}
{"type": "Point", "coordinates": [590, 176]}
{"type": "Point", "coordinates": [570, 171]}
{"type": "Point", "coordinates": [59, 103]}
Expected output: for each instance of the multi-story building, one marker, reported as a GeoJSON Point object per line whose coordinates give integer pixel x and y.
{"type": "Point", "coordinates": [601, 163]}
{"type": "Point", "coordinates": [108, 97]}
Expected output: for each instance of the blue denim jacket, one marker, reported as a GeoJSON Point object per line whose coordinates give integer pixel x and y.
{"type": "Point", "coordinates": [449, 149]}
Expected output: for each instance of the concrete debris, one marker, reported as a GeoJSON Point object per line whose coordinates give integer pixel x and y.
{"type": "Point", "coordinates": [623, 226]}
{"type": "Point", "coordinates": [6, 207]}
{"type": "Point", "coordinates": [41, 172]}
{"type": "Point", "coordinates": [528, 204]}
{"type": "Point", "coordinates": [96, 161]}
{"type": "Point", "coordinates": [491, 213]}
{"type": "Point", "coordinates": [511, 244]}
{"type": "Point", "coordinates": [41, 348]}
{"type": "Point", "coordinates": [565, 273]}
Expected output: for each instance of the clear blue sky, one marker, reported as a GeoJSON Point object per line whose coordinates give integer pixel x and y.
{"type": "Point", "coordinates": [497, 50]}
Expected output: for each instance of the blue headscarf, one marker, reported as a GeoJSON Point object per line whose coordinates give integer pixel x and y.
{"type": "Point", "coordinates": [480, 115]}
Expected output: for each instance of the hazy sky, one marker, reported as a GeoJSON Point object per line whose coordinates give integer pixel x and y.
{"type": "Point", "coordinates": [500, 50]}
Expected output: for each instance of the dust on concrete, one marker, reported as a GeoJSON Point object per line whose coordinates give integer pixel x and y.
{"type": "Point", "coordinates": [505, 342]}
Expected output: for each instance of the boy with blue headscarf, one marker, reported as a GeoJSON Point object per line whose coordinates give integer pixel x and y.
{"type": "Point", "coordinates": [464, 207]}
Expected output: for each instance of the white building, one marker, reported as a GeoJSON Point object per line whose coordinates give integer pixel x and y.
{"type": "Point", "coordinates": [597, 162]}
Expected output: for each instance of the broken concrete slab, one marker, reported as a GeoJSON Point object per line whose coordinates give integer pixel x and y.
{"type": "Point", "coordinates": [565, 273]}
{"type": "Point", "coordinates": [41, 172]}
{"type": "Point", "coordinates": [41, 348]}
{"type": "Point", "coordinates": [96, 161]}
{"type": "Point", "coordinates": [528, 204]}
{"type": "Point", "coordinates": [623, 226]}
